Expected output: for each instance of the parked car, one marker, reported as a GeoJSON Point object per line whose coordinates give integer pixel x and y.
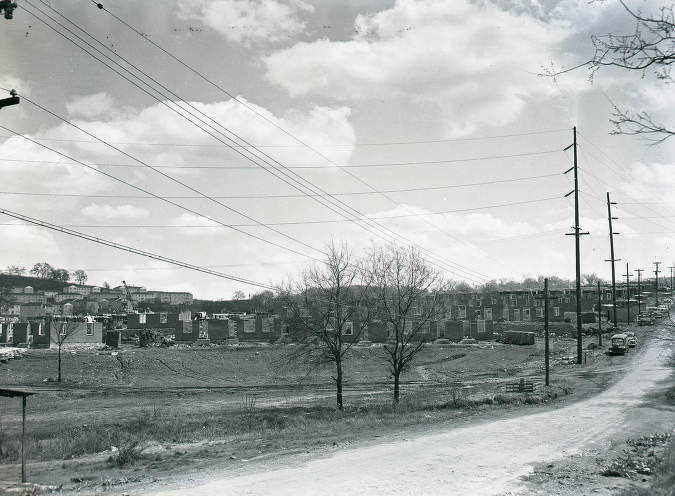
{"type": "Point", "coordinates": [618, 345]}
{"type": "Point", "coordinates": [645, 319]}
{"type": "Point", "coordinates": [631, 341]}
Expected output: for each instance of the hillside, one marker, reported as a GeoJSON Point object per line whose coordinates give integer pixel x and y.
{"type": "Point", "coordinates": [38, 284]}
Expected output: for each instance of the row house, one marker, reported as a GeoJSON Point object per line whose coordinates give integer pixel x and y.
{"type": "Point", "coordinates": [24, 298]}
{"type": "Point", "coordinates": [160, 320]}
{"type": "Point", "coordinates": [519, 306]}
{"type": "Point", "coordinates": [77, 289]}
{"type": "Point", "coordinates": [245, 328]}
{"type": "Point", "coordinates": [43, 334]}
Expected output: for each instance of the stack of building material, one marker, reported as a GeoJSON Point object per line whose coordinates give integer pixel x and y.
{"type": "Point", "coordinates": [518, 337]}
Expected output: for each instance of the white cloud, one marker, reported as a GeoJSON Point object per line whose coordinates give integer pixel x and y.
{"type": "Point", "coordinates": [650, 182]}
{"type": "Point", "coordinates": [90, 106]}
{"type": "Point", "coordinates": [97, 211]}
{"type": "Point", "coordinates": [11, 82]}
{"type": "Point", "coordinates": [475, 61]}
{"type": "Point", "coordinates": [249, 22]}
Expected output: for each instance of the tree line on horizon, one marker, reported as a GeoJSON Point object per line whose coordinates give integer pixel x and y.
{"type": "Point", "coordinates": [44, 270]}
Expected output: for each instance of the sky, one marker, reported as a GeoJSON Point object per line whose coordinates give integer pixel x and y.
{"type": "Point", "coordinates": [431, 118]}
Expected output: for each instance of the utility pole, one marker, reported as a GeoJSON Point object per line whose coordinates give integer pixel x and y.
{"type": "Point", "coordinates": [639, 293]}
{"type": "Point", "coordinates": [577, 233]}
{"type": "Point", "coordinates": [546, 352]}
{"type": "Point", "coordinates": [628, 276]}
{"type": "Point", "coordinates": [671, 280]}
{"type": "Point", "coordinates": [656, 285]}
{"type": "Point", "coordinates": [599, 316]}
{"type": "Point", "coordinates": [612, 259]}
{"type": "Point", "coordinates": [12, 100]}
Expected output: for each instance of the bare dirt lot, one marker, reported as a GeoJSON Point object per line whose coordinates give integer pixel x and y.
{"type": "Point", "coordinates": [196, 410]}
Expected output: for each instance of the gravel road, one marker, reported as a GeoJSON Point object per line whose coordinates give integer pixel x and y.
{"type": "Point", "coordinates": [481, 459]}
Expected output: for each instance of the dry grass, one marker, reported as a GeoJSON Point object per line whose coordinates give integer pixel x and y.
{"type": "Point", "coordinates": [278, 425]}
{"type": "Point", "coordinates": [660, 467]}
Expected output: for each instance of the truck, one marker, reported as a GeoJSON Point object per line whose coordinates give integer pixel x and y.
{"type": "Point", "coordinates": [618, 345]}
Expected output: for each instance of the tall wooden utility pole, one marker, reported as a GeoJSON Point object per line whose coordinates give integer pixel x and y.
{"type": "Point", "coordinates": [656, 284]}
{"type": "Point", "coordinates": [639, 289]}
{"type": "Point", "coordinates": [628, 276]}
{"type": "Point", "coordinates": [577, 233]}
{"type": "Point", "coordinates": [599, 316]}
{"type": "Point", "coordinates": [671, 280]}
{"type": "Point", "coordinates": [546, 352]}
{"type": "Point", "coordinates": [611, 254]}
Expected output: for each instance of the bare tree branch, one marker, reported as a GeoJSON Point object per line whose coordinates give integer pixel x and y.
{"type": "Point", "coordinates": [327, 308]}
{"type": "Point", "coordinates": [406, 293]}
{"type": "Point", "coordinates": [649, 48]}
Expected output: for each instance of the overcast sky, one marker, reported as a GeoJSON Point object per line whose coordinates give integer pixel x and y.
{"type": "Point", "coordinates": [448, 90]}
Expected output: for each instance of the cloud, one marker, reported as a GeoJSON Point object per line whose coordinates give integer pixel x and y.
{"type": "Point", "coordinates": [248, 22]}
{"type": "Point", "coordinates": [476, 61]}
{"type": "Point", "coordinates": [90, 106]}
{"type": "Point", "coordinates": [650, 182]}
{"type": "Point", "coordinates": [108, 212]}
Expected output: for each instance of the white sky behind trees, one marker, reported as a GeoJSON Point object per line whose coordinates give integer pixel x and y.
{"type": "Point", "coordinates": [354, 79]}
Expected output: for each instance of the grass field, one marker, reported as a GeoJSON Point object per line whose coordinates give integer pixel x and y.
{"type": "Point", "coordinates": [141, 413]}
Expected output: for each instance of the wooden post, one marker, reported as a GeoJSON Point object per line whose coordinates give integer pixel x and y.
{"type": "Point", "coordinates": [23, 438]}
{"type": "Point", "coordinates": [599, 317]}
{"type": "Point", "coordinates": [546, 352]}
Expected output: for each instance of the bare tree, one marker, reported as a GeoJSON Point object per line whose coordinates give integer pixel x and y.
{"type": "Point", "coordinates": [328, 309]}
{"type": "Point", "coordinates": [16, 270]}
{"type": "Point", "coordinates": [407, 299]}
{"type": "Point", "coordinates": [239, 295]}
{"type": "Point", "coordinates": [60, 275]}
{"type": "Point", "coordinates": [262, 301]}
{"type": "Point", "coordinates": [650, 47]}
{"type": "Point", "coordinates": [80, 276]}
{"type": "Point", "coordinates": [59, 333]}
{"type": "Point", "coordinates": [42, 270]}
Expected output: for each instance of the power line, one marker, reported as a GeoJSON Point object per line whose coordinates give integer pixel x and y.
{"type": "Point", "coordinates": [297, 167]}
{"type": "Point", "coordinates": [331, 145]}
{"type": "Point", "coordinates": [130, 249]}
{"type": "Point", "coordinates": [612, 164]}
{"type": "Point", "coordinates": [161, 198]}
{"type": "Point", "coordinates": [183, 109]}
{"type": "Point", "coordinates": [146, 268]}
{"type": "Point", "coordinates": [261, 196]}
{"type": "Point", "coordinates": [100, 6]}
{"type": "Point", "coordinates": [301, 181]}
{"type": "Point", "coordinates": [329, 221]}
{"type": "Point", "coordinates": [605, 183]}
{"type": "Point", "coordinates": [167, 176]}
{"type": "Point", "coordinates": [276, 125]}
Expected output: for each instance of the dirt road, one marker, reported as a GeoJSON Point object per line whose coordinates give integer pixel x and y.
{"type": "Point", "coordinates": [487, 458]}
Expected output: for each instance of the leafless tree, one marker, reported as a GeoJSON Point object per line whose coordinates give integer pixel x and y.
{"type": "Point", "coordinates": [407, 299]}
{"type": "Point", "coordinates": [80, 276]}
{"type": "Point", "coordinates": [60, 275]}
{"type": "Point", "coordinates": [650, 47]}
{"type": "Point", "coordinates": [328, 309]}
{"type": "Point", "coordinates": [16, 270]}
{"type": "Point", "coordinates": [42, 270]}
{"type": "Point", "coordinates": [239, 295]}
{"type": "Point", "coordinates": [262, 301]}
{"type": "Point", "coordinates": [59, 333]}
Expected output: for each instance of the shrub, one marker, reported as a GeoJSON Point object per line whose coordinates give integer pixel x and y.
{"type": "Point", "coordinates": [126, 454]}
